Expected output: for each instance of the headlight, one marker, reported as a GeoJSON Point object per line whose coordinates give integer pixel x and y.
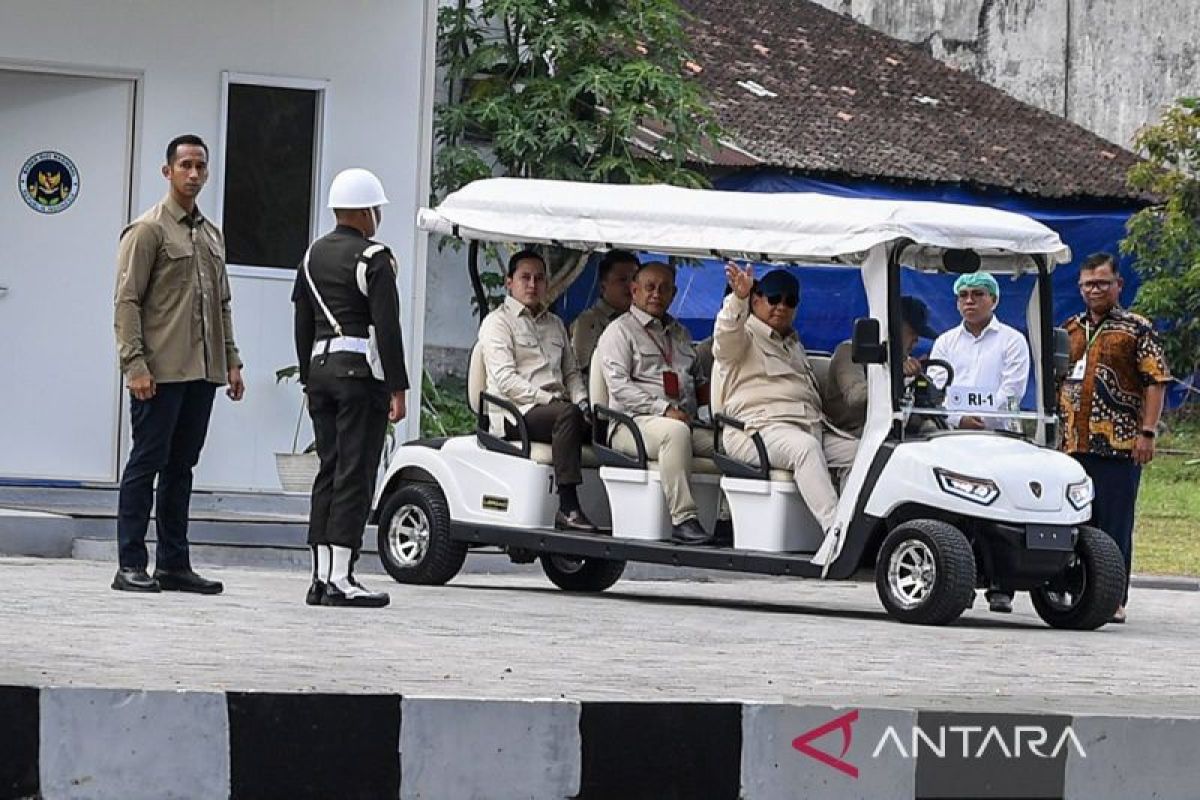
{"type": "Point", "coordinates": [977, 490]}
{"type": "Point", "coordinates": [1080, 494]}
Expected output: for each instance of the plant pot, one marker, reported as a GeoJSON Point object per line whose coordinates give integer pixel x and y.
{"type": "Point", "coordinates": [297, 471]}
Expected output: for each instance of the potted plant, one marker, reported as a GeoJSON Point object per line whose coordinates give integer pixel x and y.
{"type": "Point", "coordinates": [296, 469]}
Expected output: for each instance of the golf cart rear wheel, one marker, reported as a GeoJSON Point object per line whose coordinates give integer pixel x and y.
{"type": "Point", "coordinates": [925, 573]}
{"type": "Point", "coordinates": [414, 536]}
{"type": "Point", "coordinates": [1089, 590]}
{"type": "Point", "coordinates": [576, 574]}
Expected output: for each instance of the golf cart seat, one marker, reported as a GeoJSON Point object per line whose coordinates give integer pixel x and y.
{"type": "Point", "coordinates": [633, 483]}
{"type": "Point", "coordinates": [478, 398]}
{"type": "Point", "coordinates": [768, 511]}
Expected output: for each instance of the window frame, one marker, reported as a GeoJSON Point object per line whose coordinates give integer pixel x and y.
{"type": "Point", "coordinates": [283, 272]}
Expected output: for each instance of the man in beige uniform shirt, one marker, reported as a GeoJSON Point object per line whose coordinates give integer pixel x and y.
{"type": "Point", "coordinates": [529, 363]}
{"type": "Point", "coordinates": [175, 342]}
{"type": "Point", "coordinates": [769, 385]}
{"type": "Point", "coordinates": [615, 272]}
{"type": "Point", "coordinates": [651, 372]}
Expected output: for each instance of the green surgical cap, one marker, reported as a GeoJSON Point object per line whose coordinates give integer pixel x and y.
{"type": "Point", "coordinates": [978, 280]}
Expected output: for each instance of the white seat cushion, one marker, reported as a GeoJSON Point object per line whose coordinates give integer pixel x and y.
{"type": "Point", "coordinates": [542, 453]}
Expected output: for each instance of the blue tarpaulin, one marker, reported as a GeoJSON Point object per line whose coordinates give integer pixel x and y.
{"type": "Point", "coordinates": [832, 298]}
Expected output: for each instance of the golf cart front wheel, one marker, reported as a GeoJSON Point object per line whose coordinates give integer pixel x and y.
{"type": "Point", "coordinates": [1088, 592]}
{"type": "Point", "coordinates": [414, 536]}
{"type": "Point", "coordinates": [577, 574]}
{"type": "Point", "coordinates": [925, 573]}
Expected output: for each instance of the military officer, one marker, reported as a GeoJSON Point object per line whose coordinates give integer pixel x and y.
{"type": "Point", "coordinates": [351, 357]}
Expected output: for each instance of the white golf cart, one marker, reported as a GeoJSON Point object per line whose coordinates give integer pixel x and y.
{"type": "Point", "coordinates": [937, 514]}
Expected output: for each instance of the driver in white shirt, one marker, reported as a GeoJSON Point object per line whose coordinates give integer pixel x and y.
{"type": "Point", "coordinates": [988, 356]}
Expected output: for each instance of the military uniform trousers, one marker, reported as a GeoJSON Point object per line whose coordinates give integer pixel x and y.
{"type": "Point", "coordinates": [672, 443]}
{"type": "Point", "coordinates": [349, 417]}
{"type": "Point", "coordinates": [808, 453]}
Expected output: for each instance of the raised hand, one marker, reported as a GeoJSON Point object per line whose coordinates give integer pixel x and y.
{"type": "Point", "coordinates": [741, 279]}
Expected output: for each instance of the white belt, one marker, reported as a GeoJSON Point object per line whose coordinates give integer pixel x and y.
{"type": "Point", "coordinates": [341, 344]}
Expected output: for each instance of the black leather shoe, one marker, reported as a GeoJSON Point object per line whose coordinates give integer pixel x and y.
{"type": "Point", "coordinates": [185, 580]}
{"type": "Point", "coordinates": [356, 597]}
{"type": "Point", "coordinates": [129, 579]}
{"type": "Point", "coordinates": [316, 593]}
{"type": "Point", "coordinates": [574, 521]}
{"type": "Point", "coordinates": [999, 602]}
{"type": "Point", "coordinates": [690, 532]}
{"type": "Point", "coordinates": [723, 533]}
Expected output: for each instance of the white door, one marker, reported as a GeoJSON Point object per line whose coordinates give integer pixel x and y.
{"type": "Point", "coordinates": [65, 147]}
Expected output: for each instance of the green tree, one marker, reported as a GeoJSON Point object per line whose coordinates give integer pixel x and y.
{"type": "Point", "coordinates": [1165, 237]}
{"type": "Point", "coordinates": [584, 90]}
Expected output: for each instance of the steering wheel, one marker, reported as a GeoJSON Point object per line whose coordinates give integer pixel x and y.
{"type": "Point", "coordinates": [927, 394]}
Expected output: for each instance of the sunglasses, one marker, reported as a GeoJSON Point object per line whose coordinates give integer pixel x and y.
{"type": "Point", "coordinates": [1096, 286]}
{"type": "Point", "coordinates": [789, 300]}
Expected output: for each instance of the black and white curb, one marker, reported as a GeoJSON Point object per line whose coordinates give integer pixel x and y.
{"type": "Point", "coordinates": [106, 743]}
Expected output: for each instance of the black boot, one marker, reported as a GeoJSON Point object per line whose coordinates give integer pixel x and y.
{"type": "Point", "coordinates": [343, 589]}
{"type": "Point", "coordinates": [320, 571]}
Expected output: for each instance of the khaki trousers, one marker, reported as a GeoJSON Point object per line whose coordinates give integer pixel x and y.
{"type": "Point", "coordinates": [808, 453]}
{"type": "Point", "coordinates": [671, 443]}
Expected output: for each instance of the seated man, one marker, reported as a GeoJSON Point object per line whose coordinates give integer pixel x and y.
{"type": "Point", "coordinates": [991, 358]}
{"type": "Point", "coordinates": [845, 394]}
{"type": "Point", "coordinates": [614, 273]}
{"type": "Point", "coordinates": [650, 370]}
{"type": "Point", "coordinates": [529, 363]}
{"type": "Point", "coordinates": [769, 385]}
{"type": "Point", "coordinates": [987, 355]}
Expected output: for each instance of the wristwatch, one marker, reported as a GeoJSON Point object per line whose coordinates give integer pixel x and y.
{"type": "Point", "coordinates": [1147, 432]}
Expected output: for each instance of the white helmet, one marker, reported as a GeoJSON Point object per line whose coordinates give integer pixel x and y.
{"type": "Point", "coordinates": [356, 188]}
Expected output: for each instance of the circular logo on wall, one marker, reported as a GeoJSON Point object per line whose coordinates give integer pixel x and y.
{"type": "Point", "coordinates": [49, 182]}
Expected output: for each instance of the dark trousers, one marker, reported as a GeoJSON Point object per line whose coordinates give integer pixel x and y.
{"type": "Point", "coordinates": [349, 417]}
{"type": "Point", "coordinates": [561, 425]}
{"type": "Point", "coordinates": [168, 434]}
{"type": "Point", "coordinates": [1116, 482]}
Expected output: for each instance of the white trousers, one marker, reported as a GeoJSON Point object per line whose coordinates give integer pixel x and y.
{"type": "Point", "coordinates": [672, 444]}
{"type": "Point", "coordinates": [808, 453]}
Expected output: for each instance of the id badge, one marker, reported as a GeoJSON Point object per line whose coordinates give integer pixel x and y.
{"type": "Point", "coordinates": [671, 385]}
{"type": "Point", "coordinates": [1078, 370]}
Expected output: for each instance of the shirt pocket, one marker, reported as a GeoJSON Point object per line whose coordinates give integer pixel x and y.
{"type": "Point", "coordinates": [176, 267]}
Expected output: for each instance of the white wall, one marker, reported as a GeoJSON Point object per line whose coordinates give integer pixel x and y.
{"type": "Point", "coordinates": [374, 55]}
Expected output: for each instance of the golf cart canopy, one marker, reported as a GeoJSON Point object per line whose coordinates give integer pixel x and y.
{"type": "Point", "coordinates": [698, 223]}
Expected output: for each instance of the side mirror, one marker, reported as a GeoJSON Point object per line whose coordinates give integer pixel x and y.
{"type": "Point", "coordinates": [865, 347]}
{"type": "Point", "coordinates": [1062, 353]}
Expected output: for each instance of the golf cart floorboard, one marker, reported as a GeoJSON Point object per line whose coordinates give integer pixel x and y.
{"type": "Point", "coordinates": [541, 540]}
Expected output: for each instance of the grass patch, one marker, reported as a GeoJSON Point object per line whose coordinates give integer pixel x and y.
{"type": "Point", "coordinates": [1167, 529]}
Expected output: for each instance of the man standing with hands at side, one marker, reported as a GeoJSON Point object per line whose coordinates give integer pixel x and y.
{"type": "Point", "coordinates": [351, 357]}
{"type": "Point", "coordinates": [1111, 400]}
{"type": "Point", "coordinates": [175, 342]}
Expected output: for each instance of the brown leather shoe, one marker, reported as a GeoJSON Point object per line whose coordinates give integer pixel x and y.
{"type": "Point", "coordinates": [574, 521]}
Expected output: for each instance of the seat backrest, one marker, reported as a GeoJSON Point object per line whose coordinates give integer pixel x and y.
{"type": "Point", "coordinates": [597, 388]}
{"type": "Point", "coordinates": [820, 367]}
{"type": "Point", "coordinates": [716, 389]}
{"type": "Point", "coordinates": [476, 377]}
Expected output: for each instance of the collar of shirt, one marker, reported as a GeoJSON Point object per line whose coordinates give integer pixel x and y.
{"type": "Point", "coordinates": [993, 326]}
{"type": "Point", "coordinates": [516, 308]}
{"type": "Point", "coordinates": [646, 320]}
{"type": "Point", "coordinates": [349, 230]}
{"type": "Point", "coordinates": [604, 308]}
{"type": "Point", "coordinates": [179, 215]}
{"type": "Point", "coordinates": [760, 328]}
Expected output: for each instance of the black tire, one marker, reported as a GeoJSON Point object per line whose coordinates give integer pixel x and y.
{"type": "Point", "coordinates": [416, 547]}
{"type": "Point", "coordinates": [1087, 594]}
{"type": "Point", "coordinates": [945, 583]}
{"type": "Point", "coordinates": [582, 574]}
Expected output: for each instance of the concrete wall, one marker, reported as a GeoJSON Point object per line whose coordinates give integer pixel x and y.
{"type": "Point", "coordinates": [373, 57]}
{"type": "Point", "coordinates": [1108, 65]}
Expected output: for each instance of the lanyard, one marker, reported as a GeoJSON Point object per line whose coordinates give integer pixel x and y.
{"type": "Point", "coordinates": [1091, 335]}
{"type": "Point", "coordinates": [668, 353]}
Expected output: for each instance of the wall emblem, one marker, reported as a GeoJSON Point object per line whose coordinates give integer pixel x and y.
{"type": "Point", "coordinates": [49, 182]}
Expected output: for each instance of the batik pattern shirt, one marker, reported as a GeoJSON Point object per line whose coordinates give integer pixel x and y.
{"type": "Point", "coordinates": [1101, 402]}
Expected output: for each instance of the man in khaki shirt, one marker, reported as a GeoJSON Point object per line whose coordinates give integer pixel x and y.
{"type": "Point", "coordinates": [175, 342]}
{"type": "Point", "coordinates": [769, 385]}
{"type": "Point", "coordinates": [529, 363]}
{"type": "Point", "coordinates": [615, 272]}
{"type": "Point", "coordinates": [651, 372]}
